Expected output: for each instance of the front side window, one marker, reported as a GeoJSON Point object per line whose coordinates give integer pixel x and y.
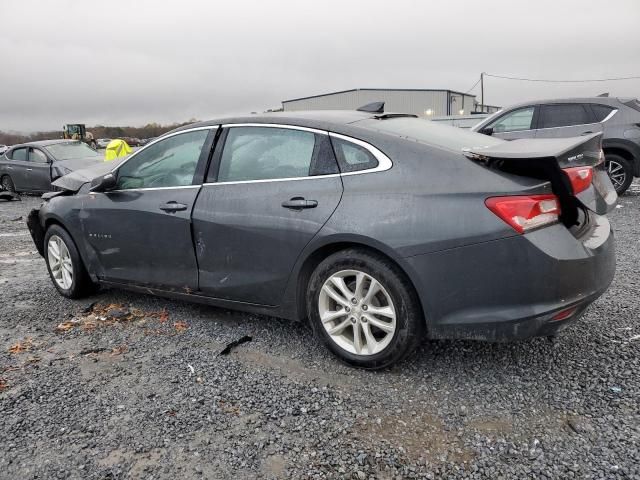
{"type": "Point", "coordinates": [37, 156]}
{"type": "Point", "coordinates": [352, 157]}
{"type": "Point", "coordinates": [553, 116]}
{"type": "Point", "coordinates": [514, 121]}
{"type": "Point", "coordinates": [264, 153]}
{"type": "Point", "coordinates": [170, 162]}
{"type": "Point", "coordinates": [19, 154]}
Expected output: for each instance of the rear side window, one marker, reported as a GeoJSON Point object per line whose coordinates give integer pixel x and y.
{"type": "Point", "coordinates": [266, 153]}
{"type": "Point", "coordinates": [552, 116]}
{"type": "Point", "coordinates": [514, 121]}
{"type": "Point", "coordinates": [352, 157]}
{"type": "Point", "coordinates": [19, 154]}
{"type": "Point", "coordinates": [601, 111]}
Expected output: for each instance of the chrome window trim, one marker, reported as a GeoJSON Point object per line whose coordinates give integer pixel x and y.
{"type": "Point", "coordinates": [384, 162]}
{"type": "Point", "coordinates": [608, 117]}
{"type": "Point", "coordinates": [179, 187]}
{"type": "Point", "coordinates": [159, 139]}
{"type": "Point", "coordinates": [275, 125]}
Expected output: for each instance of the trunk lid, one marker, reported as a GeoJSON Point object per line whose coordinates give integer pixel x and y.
{"type": "Point", "coordinates": [553, 159]}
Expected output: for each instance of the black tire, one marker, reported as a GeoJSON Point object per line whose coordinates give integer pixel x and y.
{"type": "Point", "coordinates": [7, 184]}
{"type": "Point", "coordinates": [81, 284]}
{"type": "Point", "coordinates": [410, 323]}
{"type": "Point", "coordinates": [612, 161]}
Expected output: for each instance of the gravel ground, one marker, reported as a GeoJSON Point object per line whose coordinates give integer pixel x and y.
{"type": "Point", "coordinates": [154, 399]}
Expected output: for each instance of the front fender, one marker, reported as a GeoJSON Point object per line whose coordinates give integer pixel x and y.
{"type": "Point", "coordinates": [36, 229]}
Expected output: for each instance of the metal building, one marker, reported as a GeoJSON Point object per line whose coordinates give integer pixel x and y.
{"type": "Point", "coordinates": [423, 102]}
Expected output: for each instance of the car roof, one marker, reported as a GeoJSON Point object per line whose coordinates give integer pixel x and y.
{"type": "Point", "coordinates": [321, 119]}
{"type": "Point", "coordinates": [43, 143]}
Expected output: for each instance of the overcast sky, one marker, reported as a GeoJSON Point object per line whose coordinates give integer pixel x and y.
{"type": "Point", "coordinates": [133, 62]}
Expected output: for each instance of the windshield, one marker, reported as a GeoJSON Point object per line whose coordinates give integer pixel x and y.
{"type": "Point", "coordinates": [67, 151]}
{"type": "Point", "coordinates": [431, 133]}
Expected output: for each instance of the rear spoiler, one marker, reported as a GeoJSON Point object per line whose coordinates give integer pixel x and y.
{"type": "Point", "coordinates": [568, 152]}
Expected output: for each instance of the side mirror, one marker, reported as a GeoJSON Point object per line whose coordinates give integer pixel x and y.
{"type": "Point", "coordinates": [104, 183]}
{"type": "Point", "coordinates": [487, 131]}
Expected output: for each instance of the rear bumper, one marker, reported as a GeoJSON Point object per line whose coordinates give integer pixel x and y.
{"type": "Point", "coordinates": [510, 289]}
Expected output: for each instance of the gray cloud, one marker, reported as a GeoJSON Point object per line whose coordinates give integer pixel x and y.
{"type": "Point", "coordinates": [133, 62]}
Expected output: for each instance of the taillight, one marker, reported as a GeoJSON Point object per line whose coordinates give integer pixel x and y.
{"type": "Point", "coordinates": [580, 178]}
{"type": "Point", "coordinates": [525, 212]}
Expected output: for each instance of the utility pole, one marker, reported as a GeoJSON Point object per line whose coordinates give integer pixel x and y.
{"type": "Point", "coordinates": [482, 92]}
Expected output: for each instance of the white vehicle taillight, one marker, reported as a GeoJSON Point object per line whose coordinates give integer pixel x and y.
{"type": "Point", "coordinates": [525, 212]}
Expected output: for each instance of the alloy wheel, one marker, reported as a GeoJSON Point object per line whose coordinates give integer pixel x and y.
{"type": "Point", "coordinates": [617, 174]}
{"type": "Point", "coordinates": [357, 312]}
{"type": "Point", "coordinates": [60, 262]}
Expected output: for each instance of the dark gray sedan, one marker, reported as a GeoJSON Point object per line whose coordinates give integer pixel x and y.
{"type": "Point", "coordinates": [31, 167]}
{"type": "Point", "coordinates": [377, 228]}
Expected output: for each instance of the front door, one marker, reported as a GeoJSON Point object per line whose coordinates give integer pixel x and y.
{"type": "Point", "coordinates": [515, 124]}
{"type": "Point", "coordinates": [39, 170]}
{"type": "Point", "coordinates": [140, 232]}
{"type": "Point", "coordinates": [275, 188]}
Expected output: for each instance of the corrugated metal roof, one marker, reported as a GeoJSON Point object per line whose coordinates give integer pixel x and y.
{"type": "Point", "coordinates": [379, 90]}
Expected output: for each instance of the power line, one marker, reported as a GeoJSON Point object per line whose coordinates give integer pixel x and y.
{"type": "Point", "coordinates": [562, 81]}
{"type": "Point", "coordinates": [474, 86]}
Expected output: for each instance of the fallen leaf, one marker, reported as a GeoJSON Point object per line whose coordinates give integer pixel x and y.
{"type": "Point", "coordinates": [65, 326]}
{"type": "Point", "coordinates": [3, 384]}
{"type": "Point", "coordinates": [180, 326]}
{"type": "Point", "coordinates": [119, 350]}
{"type": "Point", "coordinates": [20, 347]}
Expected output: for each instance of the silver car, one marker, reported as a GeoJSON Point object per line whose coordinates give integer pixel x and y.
{"type": "Point", "coordinates": [31, 167]}
{"type": "Point", "coordinates": [617, 118]}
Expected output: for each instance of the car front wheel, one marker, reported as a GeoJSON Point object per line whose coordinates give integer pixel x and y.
{"type": "Point", "coordinates": [65, 266]}
{"type": "Point", "coordinates": [364, 309]}
{"type": "Point", "coordinates": [620, 172]}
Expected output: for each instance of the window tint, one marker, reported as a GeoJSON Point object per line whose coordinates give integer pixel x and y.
{"type": "Point", "coordinates": [552, 116]}
{"type": "Point", "coordinates": [514, 121]}
{"type": "Point", "coordinates": [171, 162]}
{"type": "Point", "coordinates": [37, 156]}
{"type": "Point", "coordinates": [601, 111]}
{"type": "Point", "coordinates": [352, 157]}
{"type": "Point", "coordinates": [19, 154]}
{"type": "Point", "coordinates": [262, 153]}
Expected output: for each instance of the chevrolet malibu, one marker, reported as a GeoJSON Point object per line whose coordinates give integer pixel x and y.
{"type": "Point", "coordinates": [378, 228]}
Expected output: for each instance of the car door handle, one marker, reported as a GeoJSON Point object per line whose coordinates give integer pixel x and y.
{"type": "Point", "coordinates": [29, 169]}
{"type": "Point", "coordinates": [173, 207]}
{"type": "Point", "coordinates": [586, 133]}
{"type": "Point", "coordinates": [299, 203]}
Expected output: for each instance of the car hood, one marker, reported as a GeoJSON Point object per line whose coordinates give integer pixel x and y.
{"type": "Point", "coordinates": [74, 180]}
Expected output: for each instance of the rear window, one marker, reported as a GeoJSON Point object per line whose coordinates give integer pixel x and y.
{"type": "Point", "coordinates": [552, 116]}
{"type": "Point", "coordinates": [633, 103]}
{"type": "Point", "coordinates": [430, 133]}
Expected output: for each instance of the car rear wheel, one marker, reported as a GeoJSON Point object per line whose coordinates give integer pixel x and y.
{"type": "Point", "coordinates": [364, 309]}
{"type": "Point", "coordinates": [65, 266]}
{"type": "Point", "coordinates": [7, 184]}
{"type": "Point", "coordinates": [620, 172]}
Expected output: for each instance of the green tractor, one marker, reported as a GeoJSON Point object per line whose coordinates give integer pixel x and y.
{"type": "Point", "coordinates": [77, 131]}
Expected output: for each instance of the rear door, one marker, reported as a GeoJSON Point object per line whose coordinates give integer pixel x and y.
{"type": "Point", "coordinates": [17, 168]}
{"type": "Point", "coordinates": [270, 189]}
{"type": "Point", "coordinates": [39, 170]}
{"type": "Point", "coordinates": [140, 232]}
{"type": "Point", "coordinates": [558, 120]}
